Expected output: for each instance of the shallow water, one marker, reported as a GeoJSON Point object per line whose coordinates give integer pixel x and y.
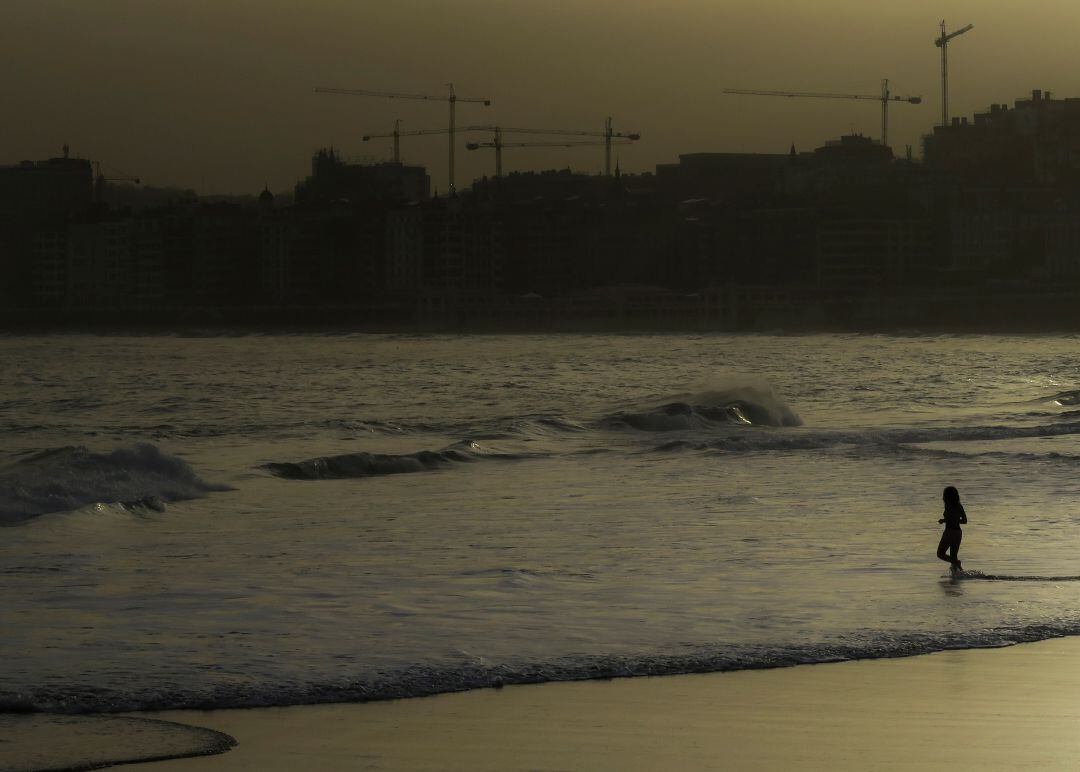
{"type": "Point", "coordinates": [245, 520]}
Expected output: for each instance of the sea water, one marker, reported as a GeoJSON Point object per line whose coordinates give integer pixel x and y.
{"type": "Point", "coordinates": [210, 520]}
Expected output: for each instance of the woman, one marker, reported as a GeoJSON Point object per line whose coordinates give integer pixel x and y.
{"type": "Point", "coordinates": [953, 517]}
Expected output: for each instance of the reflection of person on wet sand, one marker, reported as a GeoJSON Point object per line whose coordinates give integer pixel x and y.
{"type": "Point", "coordinates": [953, 517]}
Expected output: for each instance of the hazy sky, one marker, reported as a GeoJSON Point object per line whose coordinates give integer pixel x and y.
{"type": "Point", "coordinates": [219, 94]}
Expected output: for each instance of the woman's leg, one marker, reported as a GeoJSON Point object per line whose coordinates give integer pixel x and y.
{"type": "Point", "coordinates": [943, 546]}
{"type": "Point", "coordinates": [950, 543]}
{"type": "Point", "coordinates": [954, 548]}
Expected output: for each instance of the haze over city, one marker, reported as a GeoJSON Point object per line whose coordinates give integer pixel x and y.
{"type": "Point", "coordinates": [220, 97]}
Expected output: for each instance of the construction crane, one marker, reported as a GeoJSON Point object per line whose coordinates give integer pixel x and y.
{"type": "Point", "coordinates": [397, 134]}
{"type": "Point", "coordinates": [943, 43]}
{"type": "Point", "coordinates": [498, 144]}
{"type": "Point", "coordinates": [885, 97]}
{"type": "Point", "coordinates": [609, 137]}
{"type": "Point", "coordinates": [608, 134]}
{"type": "Point", "coordinates": [100, 179]}
{"type": "Point", "coordinates": [451, 98]}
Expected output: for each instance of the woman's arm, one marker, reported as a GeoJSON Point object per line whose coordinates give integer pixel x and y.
{"type": "Point", "coordinates": [963, 515]}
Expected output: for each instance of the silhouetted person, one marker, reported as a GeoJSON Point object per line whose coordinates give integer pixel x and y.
{"type": "Point", "coordinates": [953, 517]}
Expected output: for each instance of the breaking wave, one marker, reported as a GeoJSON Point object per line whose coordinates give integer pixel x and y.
{"type": "Point", "coordinates": [423, 680]}
{"type": "Point", "coordinates": [745, 404]}
{"type": "Point", "coordinates": [73, 477]}
{"type": "Point", "coordinates": [358, 465]}
{"type": "Point", "coordinates": [1066, 398]}
{"type": "Point", "coordinates": [884, 440]}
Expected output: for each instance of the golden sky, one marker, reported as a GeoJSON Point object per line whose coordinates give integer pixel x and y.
{"type": "Point", "coordinates": [219, 94]}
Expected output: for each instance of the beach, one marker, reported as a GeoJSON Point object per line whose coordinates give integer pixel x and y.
{"type": "Point", "coordinates": [998, 709]}
{"type": "Point", "coordinates": [394, 527]}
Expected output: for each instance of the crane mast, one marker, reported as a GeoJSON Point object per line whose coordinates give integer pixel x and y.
{"type": "Point", "coordinates": [451, 98]}
{"type": "Point", "coordinates": [943, 43]}
{"type": "Point", "coordinates": [450, 132]}
{"type": "Point", "coordinates": [608, 136]}
{"type": "Point", "coordinates": [885, 112]}
{"type": "Point", "coordinates": [885, 97]}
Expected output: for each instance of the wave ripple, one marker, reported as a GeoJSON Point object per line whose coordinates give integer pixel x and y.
{"type": "Point", "coordinates": [1012, 578]}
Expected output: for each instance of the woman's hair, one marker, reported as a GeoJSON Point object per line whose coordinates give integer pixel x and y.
{"type": "Point", "coordinates": [951, 495]}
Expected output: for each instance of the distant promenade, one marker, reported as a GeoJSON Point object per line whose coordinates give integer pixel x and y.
{"type": "Point", "coordinates": [975, 310]}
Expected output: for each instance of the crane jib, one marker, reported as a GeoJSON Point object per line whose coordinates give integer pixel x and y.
{"type": "Point", "coordinates": [884, 97]}
{"type": "Point", "coordinates": [395, 95]}
{"type": "Point", "coordinates": [824, 95]}
{"type": "Point", "coordinates": [946, 38]}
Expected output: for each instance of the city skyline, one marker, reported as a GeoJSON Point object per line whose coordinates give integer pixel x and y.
{"type": "Point", "coordinates": [228, 91]}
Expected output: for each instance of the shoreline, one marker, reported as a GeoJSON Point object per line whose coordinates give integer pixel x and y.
{"type": "Point", "coordinates": [1005, 708]}
{"type": "Point", "coordinates": [216, 328]}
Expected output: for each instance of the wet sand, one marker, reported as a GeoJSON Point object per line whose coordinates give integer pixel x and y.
{"type": "Point", "coordinates": [1002, 709]}
{"type": "Point", "coordinates": [40, 741]}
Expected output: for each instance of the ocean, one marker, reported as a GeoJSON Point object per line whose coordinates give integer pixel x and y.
{"type": "Point", "coordinates": [220, 520]}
